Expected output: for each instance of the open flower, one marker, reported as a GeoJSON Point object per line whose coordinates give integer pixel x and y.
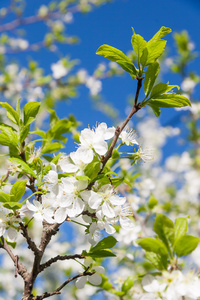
{"type": "Point", "coordinates": [94, 140]}
{"type": "Point", "coordinates": [128, 137]}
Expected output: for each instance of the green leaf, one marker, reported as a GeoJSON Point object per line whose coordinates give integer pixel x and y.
{"type": "Point", "coordinates": [11, 113]}
{"type": "Point", "coordinates": [12, 205]}
{"type": "Point", "coordinates": [92, 169]}
{"type": "Point", "coordinates": [117, 181]}
{"type": "Point", "coordinates": [30, 110]}
{"type": "Point", "coordinates": [153, 245]}
{"type": "Point", "coordinates": [40, 133]}
{"type": "Point", "coordinates": [24, 166]}
{"type": "Point", "coordinates": [185, 245]}
{"type": "Point", "coordinates": [24, 131]}
{"type": "Point", "coordinates": [4, 140]}
{"type": "Point", "coordinates": [152, 52]}
{"type": "Point", "coordinates": [158, 261]}
{"type": "Point", "coordinates": [164, 228]}
{"type": "Point", "coordinates": [100, 253]}
{"type": "Point", "coordinates": [82, 178]}
{"type": "Point", "coordinates": [161, 88]}
{"type": "Point", "coordinates": [169, 100]}
{"type": "Point", "coordinates": [128, 67]}
{"type": "Point", "coordinates": [152, 202]}
{"type": "Point", "coordinates": [4, 197]}
{"type": "Point", "coordinates": [18, 189]}
{"type": "Point", "coordinates": [50, 148]}
{"type": "Point", "coordinates": [155, 109]}
{"type": "Point", "coordinates": [106, 243]}
{"type": "Point", "coordinates": [154, 47]}
{"type": "Point", "coordinates": [150, 77]}
{"type": "Point", "coordinates": [138, 44]}
{"type": "Point", "coordinates": [112, 53]}
{"type": "Point", "coordinates": [9, 132]}
{"type": "Point", "coordinates": [128, 283]}
{"type": "Point", "coordinates": [163, 31]}
{"type": "Point", "coordinates": [180, 228]}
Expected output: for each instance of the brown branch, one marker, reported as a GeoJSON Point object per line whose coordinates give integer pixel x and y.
{"type": "Point", "coordinates": [57, 291]}
{"type": "Point", "coordinates": [48, 231]}
{"type": "Point", "coordinates": [34, 19]}
{"type": "Point", "coordinates": [119, 129]}
{"type": "Point", "coordinates": [31, 244]}
{"type": "Point", "coordinates": [6, 176]}
{"type": "Point", "coordinates": [19, 267]}
{"type": "Point", "coordinates": [57, 258]}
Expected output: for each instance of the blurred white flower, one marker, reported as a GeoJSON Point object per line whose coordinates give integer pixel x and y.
{"type": "Point", "coordinates": [59, 70]}
{"type": "Point", "coordinates": [188, 84]}
{"type": "Point", "coordinates": [94, 85]}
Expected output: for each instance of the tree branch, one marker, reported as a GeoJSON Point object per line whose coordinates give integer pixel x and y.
{"type": "Point", "coordinates": [119, 129]}
{"type": "Point", "coordinates": [19, 267]}
{"type": "Point", "coordinates": [57, 291]}
{"type": "Point", "coordinates": [31, 244]}
{"type": "Point", "coordinates": [59, 257]}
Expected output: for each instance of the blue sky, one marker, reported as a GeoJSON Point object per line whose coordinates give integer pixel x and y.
{"type": "Point", "coordinates": [111, 24]}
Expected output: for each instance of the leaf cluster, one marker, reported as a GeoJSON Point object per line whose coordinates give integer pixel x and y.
{"type": "Point", "coordinates": [147, 53]}
{"type": "Point", "coordinates": [171, 242]}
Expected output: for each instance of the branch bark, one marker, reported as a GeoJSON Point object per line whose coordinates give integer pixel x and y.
{"type": "Point", "coordinates": [135, 108]}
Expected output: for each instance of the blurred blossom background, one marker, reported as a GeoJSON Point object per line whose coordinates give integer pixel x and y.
{"type": "Point", "coordinates": [48, 54]}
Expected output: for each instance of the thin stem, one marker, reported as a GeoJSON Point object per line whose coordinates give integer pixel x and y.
{"type": "Point", "coordinates": [19, 267]}
{"type": "Point", "coordinates": [59, 257]}
{"type": "Point", "coordinates": [135, 108]}
{"type": "Point", "coordinates": [57, 291]}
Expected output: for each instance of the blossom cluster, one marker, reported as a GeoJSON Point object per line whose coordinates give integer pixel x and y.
{"type": "Point", "coordinates": [171, 286]}
{"type": "Point", "coordinates": [71, 195]}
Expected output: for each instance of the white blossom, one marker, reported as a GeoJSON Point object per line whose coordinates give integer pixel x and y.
{"type": "Point", "coordinates": [128, 137]}
{"type": "Point", "coordinates": [59, 70]}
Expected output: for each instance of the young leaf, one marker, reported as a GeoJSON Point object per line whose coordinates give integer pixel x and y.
{"type": "Point", "coordinates": [24, 131]}
{"type": "Point", "coordinates": [106, 243]}
{"type": "Point", "coordinates": [53, 147]}
{"type": "Point", "coordinates": [128, 67]}
{"type": "Point", "coordinates": [185, 245]}
{"type": "Point", "coordinates": [138, 44]}
{"type": "Point", "coordinates": [150, 77]}
{"type": "Point", "coordinates": [158, 261]}
{"type": "Point", "coordinates": [128, 283]}
{"type": "Point", "coordinates": [164, 228]}
{"type": "Point", "coordinates": [180, 227]}
{"type": "Point", "coordinates": [11, 113]}
{"type": "Point", "coordinates": [4, 197]}
{"type": "Point", "coordinates": [155, 109]}
{"type": "Point", "coordinates": [30, 110]}
{"type": "Point", "coordinates": [92, 169]}
{"type": "Point", "coordinates": [161, 88]}
{"type": "Point", "coordinates": [152, 52]}
{"type": "Point", "coordinates": [12, 205]}
{"type": "Point", "coordinates": [112, 53]}
{"type": "Point", "coordinates": [9, 132]}
{"type": "Point", "coordinates": [99, 253]}
{"type": "Point", "coordinates": [169, 100]}
{"type": "Point", "coordinates": [18, 189]}
{"type": "Point", "coordinates": [24, 166]}
{"type": "Point", "coordinates": [153, 245]}
{"type": "Point", "coordinates": [163, 31]}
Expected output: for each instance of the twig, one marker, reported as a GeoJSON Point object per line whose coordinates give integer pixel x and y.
{"type": "Point", "coordinates": [6, 176]}
{"type": "Point", "coordinates": [31, 244]}
{"type": "Point", "coordinates": [19, 267]}
{"type": "Point", "coordinates": [57, 291]}
{"type": "Point", "coordinates": [57, 258]}
{"type": "Point", "coordinates": [118, 130]}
